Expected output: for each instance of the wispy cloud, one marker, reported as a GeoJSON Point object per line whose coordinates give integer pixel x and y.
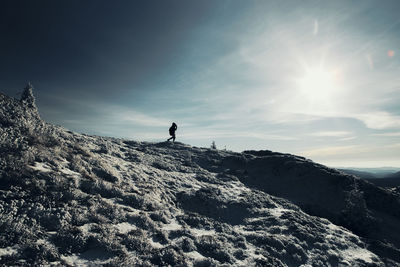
{"type": "Point", "coordinates": [220, 133]}
{"type": "Point", "coordinates": [333, 150]}
{"type": "Point", "coordinates": [315, 32]}
{"type": "Point", "coordinates": [348, 138]}
{"type": "Point", "coordinates": [391, 134]}
{"type": "Point", "coordinates": [379, 120]}
{"type": "Point", "coordinates": [138, 118]}
{"type": "Point", "coordinates": [366, 155]}
{"type": "Point", "coordinates": [331, 134]}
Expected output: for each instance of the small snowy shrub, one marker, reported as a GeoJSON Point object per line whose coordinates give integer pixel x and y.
{"type": "Point", "coordinates": [103, 188]}
{"type": "Point", "coordinates": [179, 233]}
{"type": "Point", "coordinates": [77, 164]}
{"type": "Point", "coordinates": [135, 241]}
{"type": "Point", "coordinates": [81, 149]}
{"type": "Point", "coordinates": [46, 252]}
{"type": "Point", "coordinates": [167, 257]}
{"type": "Point", "coordinates": [134, 200]}
{"type": "Point", "coordinates": [187, 244]}
{"type": "Point", "coordinates": [14, 231]}
{"type": "Point", "coordinates": [70, 240]}
{"type": "Point", "coordinates": [160, 237]}
{"type": "Point", "coordinates": [197, 221]}
{"type": "Point", "coordinates": [107, 174]}
{"type": "Point", "coordinates": [162, 165]}
{"type": "Point", "coordinates": [208, 262]}
{"type": "Point", "coordinates": [158, 216]}
{"type": "Point", "coordinates": [213, 145]}
{"type": "Point", "coordinates": [212, 247]}
{"type": "Point", "coordinates": [140, 202]}
{"type": "Point", "coordinates": [142, 221]}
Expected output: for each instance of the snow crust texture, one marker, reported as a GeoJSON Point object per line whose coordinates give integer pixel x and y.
{"type": "Point", "coordinates": [73, 199]}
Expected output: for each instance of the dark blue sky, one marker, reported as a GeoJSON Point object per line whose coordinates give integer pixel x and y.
{"type": "Point", "coordinates": [316, 78]}
{"type": "Point", "coordinates": [123, 52]}
{"type": "Point", "coordinates": [93, 45]}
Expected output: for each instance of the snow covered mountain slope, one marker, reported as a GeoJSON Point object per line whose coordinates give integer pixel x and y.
{"type": "Point", "coordinates": [74, 199]}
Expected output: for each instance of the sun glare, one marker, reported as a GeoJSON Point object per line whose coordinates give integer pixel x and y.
{"type": "Point", "coordinates": [317, 85]}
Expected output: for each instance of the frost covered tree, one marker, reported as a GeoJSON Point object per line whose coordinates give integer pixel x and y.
{"type": "Point", "coordinates": [27, 96]}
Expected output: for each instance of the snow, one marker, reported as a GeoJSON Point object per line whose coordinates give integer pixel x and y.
{"type": "Point", "coordinates": [86, 227]}
{"type": "Point", "coordinates": [74, 260]}
{"type": "Point", "coordinates": [195, 255]}
{"type": "Point", "coordinates": [277, 212]}
{"type": "Point", "coordinates": [201, 232]}
{"type": "Point", "coordinates": [8, 251]}
{"type": "Point", "coordinates": [125, 227]}
{"type": "Point", "coordinates": [172, 226]}
{"type": "Point", "coordinates": [155, 244]}
{"type": "Point", "coordinates": [352, 254]}
{"type": "Point", "coordinates": [234, 190]}
{"type": "Point", "coordinates": [41, 167]}
{"type": "Point", "coordinates": [88, 257]}
{"type": "Point", "coordinates": [41, 241]}
{"type": "Point", "coordinates": [68, 172]}
{"type": "Point", "coordinates": [126, 208]}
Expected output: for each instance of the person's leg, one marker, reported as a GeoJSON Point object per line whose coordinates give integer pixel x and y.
{"type": "Point", "coordinates": [173, 138]}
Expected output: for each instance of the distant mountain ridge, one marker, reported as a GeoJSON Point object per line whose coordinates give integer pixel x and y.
{"type": "Point", "coordinates": [385, 179]}
{"type": "Point", "coordinates": [361, 174]}
{"type": "Point", "coordinates": [74, 199]}
{"type": "Point", "coordinates": [394, 175]}
{"type": "Point", "coordinates": [384, 172]}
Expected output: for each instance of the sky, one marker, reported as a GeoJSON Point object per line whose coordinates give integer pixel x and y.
{"type": "Point", "coordinates": [318, 79]}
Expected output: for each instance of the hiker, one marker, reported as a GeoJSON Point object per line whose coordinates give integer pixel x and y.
{"type": "Point", "coordinates": [172, 130]}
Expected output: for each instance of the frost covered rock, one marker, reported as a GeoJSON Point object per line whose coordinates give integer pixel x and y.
{"type": "Point", "coordinates": [74, 199]}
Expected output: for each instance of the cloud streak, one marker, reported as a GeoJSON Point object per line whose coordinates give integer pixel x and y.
{"type": "Point", "coordinates": [390, 134]}
{"type": "Point", "coordinates": [331, 134]}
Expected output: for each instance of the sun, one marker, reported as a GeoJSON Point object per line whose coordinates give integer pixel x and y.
{"type": "Point", "coordinates": [318, 84]}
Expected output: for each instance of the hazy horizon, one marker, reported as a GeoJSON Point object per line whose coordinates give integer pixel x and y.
{"type": "Point", "coordinates": [317, 79]}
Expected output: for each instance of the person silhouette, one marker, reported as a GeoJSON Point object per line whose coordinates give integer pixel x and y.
{"type": "Point", "coordinates": [172, 130]}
